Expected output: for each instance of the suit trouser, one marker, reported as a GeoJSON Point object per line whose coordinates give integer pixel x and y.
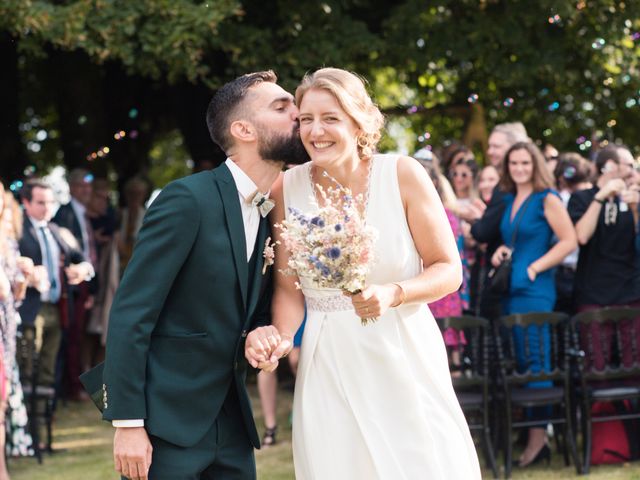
{"type": "Point", "coordinates": [46, 342]}
{"type": "Point", "coordinates": [224, 453]}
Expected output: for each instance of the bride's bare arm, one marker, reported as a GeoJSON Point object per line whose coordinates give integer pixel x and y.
{"type": "Point", "coordinates": [432, 236]}
{"type": "Point", "coordinates": [434, 242]}
{"type": "Point", "coordinates": [287, 304]}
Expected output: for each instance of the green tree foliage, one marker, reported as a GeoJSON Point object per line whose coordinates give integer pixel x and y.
{"type": "Point", "coordinates": [566, 68]}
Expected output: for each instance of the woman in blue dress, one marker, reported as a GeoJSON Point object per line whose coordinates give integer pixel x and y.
{"type": "Point", "coordinates": [539, 215]}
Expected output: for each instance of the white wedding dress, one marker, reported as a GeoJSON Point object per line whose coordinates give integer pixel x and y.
{"type": "Point", "coordinates": [376, 401]}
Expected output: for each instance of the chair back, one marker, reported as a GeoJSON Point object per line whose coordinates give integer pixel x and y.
{"type": "Point", "coordinates": [546, 332]}
{"type": "Point", "coordinates": [474, 352]}
{"type": "Point", "coordinates": [610, 340]}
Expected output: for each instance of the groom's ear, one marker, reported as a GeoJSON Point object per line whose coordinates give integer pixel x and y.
{"type": "Point", "coordinates": [243, 131]}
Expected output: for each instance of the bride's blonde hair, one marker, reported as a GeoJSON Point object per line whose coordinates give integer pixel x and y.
{"type": "Point", "coordinates": [350, 92]}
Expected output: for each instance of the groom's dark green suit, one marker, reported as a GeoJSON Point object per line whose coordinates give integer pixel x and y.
{"type": "Point", "coordinates": [188, 298]}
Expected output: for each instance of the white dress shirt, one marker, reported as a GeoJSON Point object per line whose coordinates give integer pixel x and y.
{"type": "Point", "coordinates": [81, 211]}
{"type": "Point", "coordinates": [54, 249]}
{"type": "Point", "coordinates": [251, 220]}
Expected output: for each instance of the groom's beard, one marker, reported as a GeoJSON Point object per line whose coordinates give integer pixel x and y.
{"type": "Point", "coordinates": [286, 149]}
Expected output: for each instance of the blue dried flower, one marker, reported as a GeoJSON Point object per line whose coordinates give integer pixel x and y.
{"type": "Point", "coordinates": [317, 221]}
{"type": "Point", "coordinates": [325, 271]}
{"type": "Point", "coordinates": [333, 252]}
{"type": "Point", "coordinates": [338, 227]}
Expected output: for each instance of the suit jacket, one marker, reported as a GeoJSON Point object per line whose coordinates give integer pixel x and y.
{"type": "Point", "coordinates": [487, 229]}
{"type": "Point", "coordinates": [66, 217]}
{"type": "Point", "coordinates": [175, 344]}
{"type": "Point", "coordinates": [30, 247]}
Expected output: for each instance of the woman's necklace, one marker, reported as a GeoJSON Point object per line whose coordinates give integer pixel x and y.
{"type": "Point", "coordinates": [332, 179]}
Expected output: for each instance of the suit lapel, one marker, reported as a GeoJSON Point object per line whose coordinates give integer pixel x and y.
{"type": "Point", "coordinates": [235, 226]}
{"type": "Point", "coordinates": [257, 274]}
{"type": "Point", "coordinates": [35, 243]}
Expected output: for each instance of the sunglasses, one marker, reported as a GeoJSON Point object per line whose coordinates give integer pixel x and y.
{"type": "Point", "coordinates": [460, 174]}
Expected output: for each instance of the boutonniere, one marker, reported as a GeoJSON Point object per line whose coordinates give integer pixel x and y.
{"type": "Point", "coordinates": [268, 254]}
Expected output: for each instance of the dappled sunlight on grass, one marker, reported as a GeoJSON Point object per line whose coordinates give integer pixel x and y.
{"type": "Point", "coordinates": [84, 441]}
{"type": "Point", "coordinates": [68, 432]}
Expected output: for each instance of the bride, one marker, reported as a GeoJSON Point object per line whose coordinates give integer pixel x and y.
{"type": "Point", "coordinates": [375, 401]}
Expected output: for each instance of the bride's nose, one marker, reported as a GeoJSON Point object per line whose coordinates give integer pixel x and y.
{"type": "Point", "coordinates": [316, 129]}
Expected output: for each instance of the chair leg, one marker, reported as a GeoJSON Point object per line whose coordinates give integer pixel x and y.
{"type": "Point", "coordinates": [489, 453]}
{"type": "Point", "coordinates": [570, 438]}
{"type": "Point", "coordinates": [587, 443]}
{"type": "Point", "coordinates": [49, 420]}
{"type": "Point", "coordinates": [508, 461]}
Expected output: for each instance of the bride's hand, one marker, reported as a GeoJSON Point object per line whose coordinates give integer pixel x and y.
{"type": "Point", "coordinates": [260, 344]}
{"type": "Point", "coordinates": [375, 300]}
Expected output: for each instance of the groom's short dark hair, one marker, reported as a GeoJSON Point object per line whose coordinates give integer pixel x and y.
{"type": "Point", "coordinates": [225, 106]}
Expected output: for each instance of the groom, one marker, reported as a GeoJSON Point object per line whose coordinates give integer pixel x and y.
{"type": "Point", "coordinates": [174, 371]}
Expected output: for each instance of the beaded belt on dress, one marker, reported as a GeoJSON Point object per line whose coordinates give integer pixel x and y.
{"type": "Point", "coordinates": [333, 303]}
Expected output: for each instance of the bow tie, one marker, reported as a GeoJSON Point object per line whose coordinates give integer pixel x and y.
{"type": "Point", "coordinates": [263, 202]}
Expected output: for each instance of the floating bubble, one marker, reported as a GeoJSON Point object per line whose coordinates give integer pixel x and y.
{"type": "Point", "coordinates": [631, 102]}
{"type": "Point", "coordinates": [133, 134]}
{"type": "Point", "coordinates": [553, 107]}
{"type": "Point", "coordinates": [16, 185]}
{"type": "Point", "coordinates": [611, 123]}
{"type": "Point", "coordinates": [88, 178]}
{"type": "Point", "coordinates": [543, 92]}
{"type": "Point", "coordinates": [547, 132]}
{"type": "Point", "coordinates": [635, 36]}
{"type": "Point", "coordinates": [133, 113]}
{"type": "Point", "coordinates": [41, 135]}
{"type": "Point", "coordinates": [420, 42]}
{"type": "Point", "coordinates": [473, 98]}
{"type": "Point", "coordinates": [598, 43]}
{"type": "Point", "coordinates": [412, 109]}
{"type": "Point", "coordinates": [508, 102]}
{"type": "Point", "coordinates": [427, 135]}
{"type": "Point", "coordinates": [82, 119]}
{"type": "Point", "coordinates": [581, 139]}
{"type": "Point", "coordinates": [554, 19]}
{"type": "Point", "coordinates": [30, 170]}
{"type": "Point", "coordinates": [106, 149]}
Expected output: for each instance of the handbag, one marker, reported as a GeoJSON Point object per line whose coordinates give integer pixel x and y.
{"type": "Point", "coordinates": [500, 276]}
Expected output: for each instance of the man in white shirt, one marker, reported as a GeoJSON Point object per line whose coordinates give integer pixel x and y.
{"type": "Point", "coordinates": [175, 367]}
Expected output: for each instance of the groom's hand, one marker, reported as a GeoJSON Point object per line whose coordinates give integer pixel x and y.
{"type": "Point", "coordinates": [132, 452]}
{"type": "Point", "coordinates": [260, 343]}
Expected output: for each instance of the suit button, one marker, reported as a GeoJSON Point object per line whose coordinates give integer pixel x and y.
{"type": "Point", "coordinates": [244, 334]}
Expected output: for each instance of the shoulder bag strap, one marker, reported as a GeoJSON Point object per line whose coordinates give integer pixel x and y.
{"type": "Point", "coordinates": [520, 214]}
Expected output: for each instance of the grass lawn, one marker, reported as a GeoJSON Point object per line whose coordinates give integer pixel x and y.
{"type": "Point", "coordinates": [84, 442]}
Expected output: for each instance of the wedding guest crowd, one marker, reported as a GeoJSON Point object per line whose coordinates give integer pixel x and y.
{"type": "Point", "coordinates": [59, 270]}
